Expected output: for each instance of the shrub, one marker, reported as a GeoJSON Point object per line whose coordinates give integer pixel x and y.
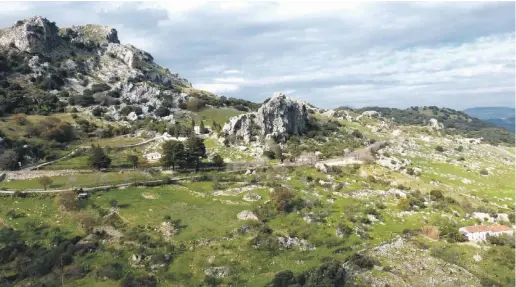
{"type": "Point", "coordinates": [97, 112]}
{"type": "Point", "coordinates": [436, 194]}
{"type": "Point", "coordinates": [484, 172]}
{"type": "Point", "coordinates": [284, 200]}
{"type": "Point", "coordinates": [113, 271]}
{"type": "Point", "coordinates": [439, 148]}
{"type": "Point", "coordinates": [269, 154]}
{"type": "Point", "coordinates": [162, 112]}
{"type": "Point", "coordinates": [456, 236]}
{"type": "Point", "coordinates": [96, 88]}
{"type": "Point", "coordinates": [363, 261]}
{"type": "Point", "coordinates": [357, 134]}
{"type": "Point", "coordinates": [218, 160]}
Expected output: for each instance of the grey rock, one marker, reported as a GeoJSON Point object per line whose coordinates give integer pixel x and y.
{"type": "Point", "coordinates": [219, 272]}
{"type": "Point", "coordinates": [279, 117]}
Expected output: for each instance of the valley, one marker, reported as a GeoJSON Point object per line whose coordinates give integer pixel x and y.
{"type": "Point", "coordinates": [116, 172]}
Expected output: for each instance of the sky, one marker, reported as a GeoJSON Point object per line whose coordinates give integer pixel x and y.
{"type": "Point", "coordinates": [391, 54]}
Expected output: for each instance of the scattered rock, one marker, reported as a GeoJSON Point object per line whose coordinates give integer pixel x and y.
{"type": "Point", "coordinates": [247, 215]}
{"type": "Point", "coordinates": [219, 272]}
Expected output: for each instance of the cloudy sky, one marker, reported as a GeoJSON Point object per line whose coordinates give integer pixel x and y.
{"type": "Point", "coordinates": [457, 55]}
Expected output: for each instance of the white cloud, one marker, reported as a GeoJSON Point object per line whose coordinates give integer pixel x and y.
{"type": "Point", "coordinates": [217, 88]}
{"type": "Point", "coordinates": [328, 53]}
{"type": "Point", "coordinates": [230, 80]}
{"type": "Point", "coordinates": [231, 72]}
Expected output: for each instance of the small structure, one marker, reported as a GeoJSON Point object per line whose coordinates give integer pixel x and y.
{"type": "Point", "coordinates": [480, 232]}
{"type": "Point", "coordinates": [82, 196]}
{"type": "Point", "coordinates": [153, 156]}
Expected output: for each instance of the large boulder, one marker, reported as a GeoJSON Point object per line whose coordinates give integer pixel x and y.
{"type": "Point", "coordinates": [278, 118]}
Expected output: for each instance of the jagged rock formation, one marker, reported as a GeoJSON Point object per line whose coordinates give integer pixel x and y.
{"type": "Point", "coordinates": [278, 118]}
{"type": "Point", "coordinates": [80, 57]}
{"type": "Point", "coordinates": [435, 124]}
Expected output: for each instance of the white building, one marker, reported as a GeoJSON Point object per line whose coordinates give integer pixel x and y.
{"type": "Point", "coordinates": [153, 156]}
{"type": "Point", "coordinates": [480, 232]}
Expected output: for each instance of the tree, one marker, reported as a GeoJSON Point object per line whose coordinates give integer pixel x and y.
{"type": "Point", "coordinates": [218, 160]}
{"type": "Point", "coordinates": [173, 154]}
{"type": "Point", "coordinates": [195, 150]}
{"type": "Point", "coordinates": [193, 123]}
{"type": "Point", "coordinates": [284, 200]}
{"type": "Point", "coordinates": [133, 159]}
{"type": "Point", "coordinates": [202, 129]}
{"type": "Point", "coordinates": [278, 152]}
{"type": "Point", "coordinates": [177, 130]}
{"type": "Point", "coordinates": [98, 158]}
{"type": "Point", "coordinates": [9, 160]}
{"type": "Point", "coordinates": [45, 181]}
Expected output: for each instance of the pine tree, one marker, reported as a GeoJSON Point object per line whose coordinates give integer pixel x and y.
{"type": "Point", "coordinates": [202, 130]}
{"type": "Point", "coordinates": [173, 154]}
{"type": "Point", "coordinates": [195, 150]}
{"type": "Point", "coordinates": [177, 130]}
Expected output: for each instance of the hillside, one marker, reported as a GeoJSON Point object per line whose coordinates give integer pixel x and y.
{"type": "Point", "coordinates": [485, 113]}
{"type": "Point", "coordinates": [454, 122]}
{"type": "Point", "coordinates": [116, 172]}
{"type": "Point", "coordinates": [499, 116]}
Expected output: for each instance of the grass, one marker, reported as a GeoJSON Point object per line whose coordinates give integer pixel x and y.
{"type": "Point", "coordinates": [80, 180]}
{"type": "Point", "coordinates": [219, 115]}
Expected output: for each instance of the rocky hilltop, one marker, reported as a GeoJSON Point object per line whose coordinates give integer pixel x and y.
{"type": "Point", "coordinates": [278, 118]}
{"type": "Point", "coordinates": [87, 60]}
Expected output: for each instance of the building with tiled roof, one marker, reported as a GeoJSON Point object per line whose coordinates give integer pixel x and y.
{"type": "Point", "coordinates": [480, 232]}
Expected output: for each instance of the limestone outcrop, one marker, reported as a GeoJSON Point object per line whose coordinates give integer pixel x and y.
{"type": "Point", "coordinates": [278, 118]}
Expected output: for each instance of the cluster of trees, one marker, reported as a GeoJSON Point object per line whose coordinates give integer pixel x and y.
{"type": "Point", "coordinates": [17, 99]}
{"type": "Point", "coordinates": [98, 158]}
{"type": "Point", "coordinates": [52, 128]}
{"type": "Point", "coordinates": [202, 99]}
{"type": "Point", "coordinates": [179, 155]}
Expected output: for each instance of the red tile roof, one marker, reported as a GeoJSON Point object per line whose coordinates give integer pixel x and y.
{"type": "Point", "coordinates": [485, 228]}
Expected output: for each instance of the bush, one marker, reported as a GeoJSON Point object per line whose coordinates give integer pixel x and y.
{"type": "Point", "coordinates": [97, 112]}
{"type": "Point", "coordinates": [363, 261]}
{"type": "Point", "coordinates": [113, 271]}
{"type": "Point", "coordinates": [436, 194]}
{"type": "Point", "coordinates": [439, 148]}
{"type": "Point", "coordinates": [357, 134]}
{"type": "Point", "coordinates": [484, 172]}
{"type": "Point", "coordinates": [98, 158]}
{"type": "Point", "coordinates": [218, 160]}
{"type": "Point", "coordinates": [96, 88]}
{"type": "Point", "coordinates": [284, 200]}
{"type": "Point", "coordinates": [501, 240]}
{"type": "Point", "coordinates": [84, 100]}
{"type": "Point", "coordinates": [162, 112]}
{"type": "Point", "coordinates": [269, 154]}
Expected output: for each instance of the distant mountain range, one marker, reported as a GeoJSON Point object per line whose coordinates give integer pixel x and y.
{"type": "Point", "coordinates": [500, 116]}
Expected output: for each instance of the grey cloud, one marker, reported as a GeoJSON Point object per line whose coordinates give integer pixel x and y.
{"type": "Point", "coordinates": [313, 55]}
